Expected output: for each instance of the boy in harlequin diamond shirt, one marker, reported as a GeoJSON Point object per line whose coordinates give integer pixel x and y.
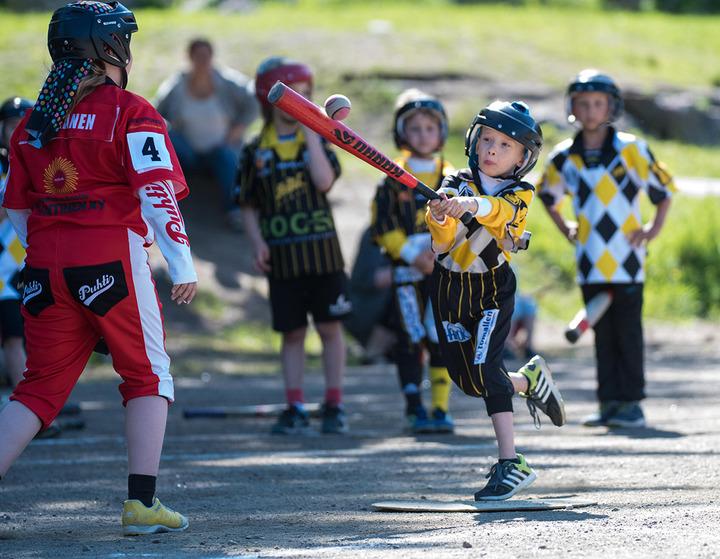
{"type": "Point", "coordinates": [473, 287]}
{"type": "Point", "coordinates": [285, 174]}
{"type": "Point", "coordinates": [604, 170]}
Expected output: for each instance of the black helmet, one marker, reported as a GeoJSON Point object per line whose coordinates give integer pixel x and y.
{"type": "Point", "coordinates": [592, 80]}
{"type": "Point", "coordinates": [411, 101]}
{"type": "Point", "coordinates": [512, 119]}
{"type": "Point", "coordinates": [89, 29]}
{"type": "Point", "coordinates": [14, 107]}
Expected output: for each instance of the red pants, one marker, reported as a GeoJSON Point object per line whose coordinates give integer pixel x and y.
{"type": "Point", "coordinates": [80, 285]}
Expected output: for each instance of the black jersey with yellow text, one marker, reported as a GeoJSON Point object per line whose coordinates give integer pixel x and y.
{"type": "Point", "coordinates": [487, 243]}
{"type": "Point", "coordinates": [399, 211]}
{"type": "Point", "coordinates": [295, 217]}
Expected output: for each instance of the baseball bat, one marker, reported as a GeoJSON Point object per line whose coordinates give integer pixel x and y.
{"type": "Point", "coordinates": [344, 137]}
{"type": "Point", "coordinates": [588, 316]}
{"type": "Point", "coordinates": [261, 410]}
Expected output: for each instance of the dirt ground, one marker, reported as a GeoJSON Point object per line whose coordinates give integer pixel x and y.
{"type": "Point", "coordinates": [250, 494]}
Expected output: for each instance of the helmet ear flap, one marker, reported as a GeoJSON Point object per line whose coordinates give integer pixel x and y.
{"type": "Point", "coordinates": [471, 135]}
{"type": "Point", "coordinates": [525, 160]}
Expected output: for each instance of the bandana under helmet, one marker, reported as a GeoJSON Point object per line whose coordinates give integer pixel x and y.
{"type": "Point", "coordinates": [79, 33]}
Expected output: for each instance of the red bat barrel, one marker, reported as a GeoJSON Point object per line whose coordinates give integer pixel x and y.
{"type": "Point", "coordinates": [342, 136]}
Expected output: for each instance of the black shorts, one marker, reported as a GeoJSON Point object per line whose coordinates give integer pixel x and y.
{"type": "Point", "coordinates": [472, 317]}
{"type": "Point", "coordinates": [11, 321]}
{"type": "Point", "coordinates": [324, 296]}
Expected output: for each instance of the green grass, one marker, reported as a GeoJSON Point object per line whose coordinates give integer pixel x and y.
{"type": "Point", "coordinates": [682, 267]}
{"type": "Point", "coordinates": [646, 50]}
{"type": "Point", "coordinates": [531, 44]}
{"type": "Point", "coordinates": [505, 44]}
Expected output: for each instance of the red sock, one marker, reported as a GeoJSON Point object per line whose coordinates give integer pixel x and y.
{"type": "Point", "coordinates": [294, 396]}
{"type": "Point", "coordinates": [333, 396]}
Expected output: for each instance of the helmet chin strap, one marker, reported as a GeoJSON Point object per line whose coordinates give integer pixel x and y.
{"type": "Point", "coordinates": [124, 78]}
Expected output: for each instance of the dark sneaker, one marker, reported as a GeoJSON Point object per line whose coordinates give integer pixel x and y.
{"type": "Point", "coordinates": [418, 421]}
{"type": "Point", "coordinates": [628, 415]}
{"type": "Point", "coordinates": [506, 479]}
{"type": "Point", "coordinates": [442, 421]}
{"type": "Point", "coordinates": [292, 421]}
{"type": "Point", "coordinates": [542, 393]}
{"type": "Point", "coordinates": [334, 419]}
{"type": "Point", "coordinates": [52, 431]}
{"type": "Point", "coordinates": [600, 417]}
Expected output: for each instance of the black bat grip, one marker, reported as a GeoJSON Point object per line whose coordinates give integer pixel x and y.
{"type": "Point", "coordinates": [424, 190]}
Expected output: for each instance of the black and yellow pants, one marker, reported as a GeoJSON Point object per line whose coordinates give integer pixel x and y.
{"type": "Point", "coordinates": [472, 317]}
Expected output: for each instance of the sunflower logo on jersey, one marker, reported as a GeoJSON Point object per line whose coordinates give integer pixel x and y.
{"type": "Point", "coordinates": [60, 177]}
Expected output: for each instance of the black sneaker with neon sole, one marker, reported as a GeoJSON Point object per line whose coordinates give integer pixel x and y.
{"type": "Point", "coordinates": [506, 479]}
{"type": "Point", "coordinates": [542, 393]}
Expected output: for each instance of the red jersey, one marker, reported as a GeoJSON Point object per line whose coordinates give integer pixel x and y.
{"type": "Point", "coordinates": [113, 143]}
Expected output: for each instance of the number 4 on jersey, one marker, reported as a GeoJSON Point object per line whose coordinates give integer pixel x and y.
{"type": "Point", "coordinates": [148, 151]}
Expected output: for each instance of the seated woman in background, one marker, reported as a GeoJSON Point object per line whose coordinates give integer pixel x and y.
{"type": "Point", "coordinates": [208, 109]}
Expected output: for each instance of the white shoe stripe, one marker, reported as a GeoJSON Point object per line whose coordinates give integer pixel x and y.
{"type": "Point", "coordinates": [515, 478]}
{"type": "Point", "coordinates": [543, 394]}
{"type": "Point", "coordinates": [541, 384]}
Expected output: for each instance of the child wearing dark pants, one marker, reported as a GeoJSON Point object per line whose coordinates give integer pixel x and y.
{"type": "Point", "coordinates": [604, 171]}
{"type": "Point", "coordinates": [619, 345]}
{"type": "Point", "coordinates": [469, 296]}
{"type": "Point", "coordinates": [473, 287]}
{"type": "Point", "coordinates": [420, 130]}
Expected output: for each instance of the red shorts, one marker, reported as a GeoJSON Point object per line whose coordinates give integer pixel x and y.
{"type": "Point", "coordinates": [80, 285]}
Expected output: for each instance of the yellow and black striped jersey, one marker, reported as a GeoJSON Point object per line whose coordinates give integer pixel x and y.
{"type": "Point", "coordinates": [399, 211]}
{"type": "Point", "coordinates": [295, 217]}
{"type": "Point", "coordinates": [12, 253]}
{"type": "Point", "coordinates": [480, 248]}
{"type": "Point", "coordinates": [605, 188]}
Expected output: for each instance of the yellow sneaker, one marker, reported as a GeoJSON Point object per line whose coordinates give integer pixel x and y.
{"type": "Point", "coordinates": [137, 519]}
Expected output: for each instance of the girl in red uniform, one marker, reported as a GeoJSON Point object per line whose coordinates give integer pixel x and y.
{"type": "Point", "coordinates": [93, 181]}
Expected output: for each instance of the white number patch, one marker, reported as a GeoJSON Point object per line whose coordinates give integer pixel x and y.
{"type": "Point", "coordinates": [148, 151]}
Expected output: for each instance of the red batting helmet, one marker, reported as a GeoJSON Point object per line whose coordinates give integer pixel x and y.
{"type": "Point", "coordinates": [279, 68]}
